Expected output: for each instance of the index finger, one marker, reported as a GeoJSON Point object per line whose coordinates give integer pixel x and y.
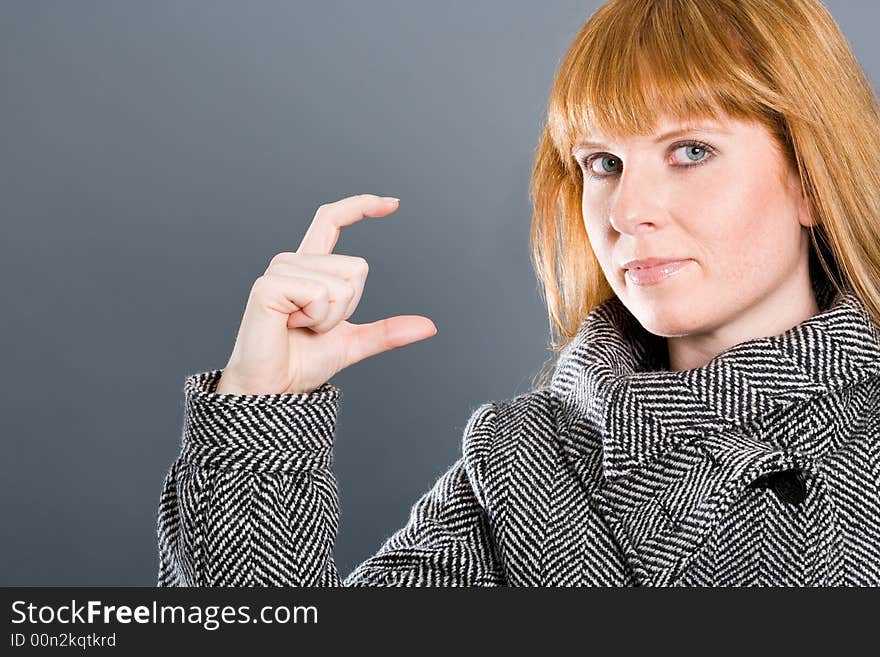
{"type": "Point", "coordinates": [323, 232]}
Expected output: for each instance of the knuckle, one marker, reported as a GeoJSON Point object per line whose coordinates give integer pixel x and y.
{"type": "Point", "coordinates": [280, 258]}
{"type": "Point", "coordinates": [322, 326]}
{"type": "Point", "coordinates": [364, 266]}
{"type": "Point", "coordinates": [261, 284]}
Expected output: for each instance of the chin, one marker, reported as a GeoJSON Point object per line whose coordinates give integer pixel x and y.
{"type": "Point", "coordinates": [668, 320]}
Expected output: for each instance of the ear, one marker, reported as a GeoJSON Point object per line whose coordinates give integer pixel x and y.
{"type": "Point", "coordinates": [806, 216]}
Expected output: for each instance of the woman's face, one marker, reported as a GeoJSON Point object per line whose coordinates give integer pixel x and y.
{"type": "Point", "coordinates": [720, 197]}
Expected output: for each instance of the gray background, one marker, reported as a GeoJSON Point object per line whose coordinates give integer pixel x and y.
{"type": "Point", "coordinates": [156, 155]}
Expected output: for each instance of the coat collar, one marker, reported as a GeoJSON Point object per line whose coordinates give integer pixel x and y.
{"type": "Point", "coordinates": [611, 378]}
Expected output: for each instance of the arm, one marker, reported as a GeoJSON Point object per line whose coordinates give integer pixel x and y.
{"type": "Point", "coordinates": [252, 500]}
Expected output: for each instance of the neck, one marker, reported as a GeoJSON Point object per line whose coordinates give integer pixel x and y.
{"type": "Point", "coordinates": [786, 307]}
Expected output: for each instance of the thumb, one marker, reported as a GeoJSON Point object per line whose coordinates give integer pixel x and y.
{"type": "Point", "coordinates": [385, 334]}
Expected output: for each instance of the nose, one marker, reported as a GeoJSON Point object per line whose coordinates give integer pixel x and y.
{"type": "Point", "coordinates": [636, 206]}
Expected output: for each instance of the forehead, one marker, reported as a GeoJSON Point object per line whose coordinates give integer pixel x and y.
{"type": "Point", "coordinates": [665, 128]}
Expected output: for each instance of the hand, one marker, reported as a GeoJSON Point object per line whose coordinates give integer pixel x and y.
{"type": "Point", "coordinates": [294, 334]}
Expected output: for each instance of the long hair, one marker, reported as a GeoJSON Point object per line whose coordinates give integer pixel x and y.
{"type": "Point", "coordinates": [783, 63]}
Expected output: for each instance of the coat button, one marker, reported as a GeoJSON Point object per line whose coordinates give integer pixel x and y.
{"type": "Point", "coordinates": [789, 485]}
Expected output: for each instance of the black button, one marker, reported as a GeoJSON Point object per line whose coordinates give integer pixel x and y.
{"type": "Point", "coordinates": [789, 485]}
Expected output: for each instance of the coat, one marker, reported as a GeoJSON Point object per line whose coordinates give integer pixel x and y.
{"type": "Point", "coordinates": [760, 468]}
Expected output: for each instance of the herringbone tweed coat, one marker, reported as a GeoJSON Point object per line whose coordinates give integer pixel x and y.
{"type": "Point", "coordinates": [760, 468]}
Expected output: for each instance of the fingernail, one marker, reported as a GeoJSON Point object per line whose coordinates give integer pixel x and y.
{"type": "Point", "coordinates": [390, 198]}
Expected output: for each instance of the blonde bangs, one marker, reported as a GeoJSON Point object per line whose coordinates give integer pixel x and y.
{"type": "Point", "coordinates": [669, 58]}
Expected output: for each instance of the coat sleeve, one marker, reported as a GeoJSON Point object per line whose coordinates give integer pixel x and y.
{"type": "Point", "coordinates": [252, 500]}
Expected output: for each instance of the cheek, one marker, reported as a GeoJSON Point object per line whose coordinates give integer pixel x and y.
{"type": "Point", "coordinates": [599, 232]}
{"type": "Point", "coordinates": [596, 236]}
{"type": "Point", "coordinates": [741, 231]}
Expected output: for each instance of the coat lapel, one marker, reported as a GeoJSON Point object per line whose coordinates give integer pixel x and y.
{"type": "Point", "coordinates": [678, 448]}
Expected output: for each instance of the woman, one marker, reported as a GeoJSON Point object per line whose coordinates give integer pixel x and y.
{"type": "Point", "coordinates": [707, 230]}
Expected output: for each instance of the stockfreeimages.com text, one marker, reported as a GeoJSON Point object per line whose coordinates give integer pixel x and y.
{"type": "Point", "coordinates": [210, 616]}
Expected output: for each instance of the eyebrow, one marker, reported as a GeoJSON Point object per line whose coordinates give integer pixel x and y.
{"type": "Point", "coordinates": [666, 135]}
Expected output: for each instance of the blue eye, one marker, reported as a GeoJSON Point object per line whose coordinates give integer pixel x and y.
{"type": "Point", "coordinates": [697, 153]}
{"type": "Point", "coordinates": [691, 148]}
{"type": "Point", "coordinates": [603, 159]}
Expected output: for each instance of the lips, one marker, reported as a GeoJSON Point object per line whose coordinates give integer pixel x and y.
{"type": "Point", "coordinates": [649, 262]}
{"type": "Point", "coordinates": [651, 274]}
